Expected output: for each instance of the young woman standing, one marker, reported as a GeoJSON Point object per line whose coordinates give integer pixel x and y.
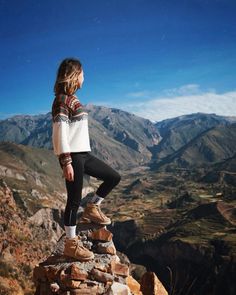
{"type": "Point", "coordinates": [71, 144]}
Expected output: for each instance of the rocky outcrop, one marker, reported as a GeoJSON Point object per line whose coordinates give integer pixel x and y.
{"type": "Point", "coordinates": [151, 285]}
{"type": "Point", "coordinates": [23, 241]}
{"type": "Point", "coordinates": [49, 220]}
{"type": "Point", "coordinates": [195, 254]}
{"type": "Point", "coordinates": [106, 273]}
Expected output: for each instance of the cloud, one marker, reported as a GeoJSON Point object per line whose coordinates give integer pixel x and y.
{"type": "Point", "coordinates": [171, 103]}
{"type": "Point", "coordinates": [138, 94]}
{"type": "Point", "coordinates": [184, 100]}
{"type": "Point", "coordinates": [189, 89]}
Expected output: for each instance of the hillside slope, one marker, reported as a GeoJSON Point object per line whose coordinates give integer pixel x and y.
{"type": "Point", "coordinates": [179, 131]}
{"type": "Point", "coordinates": [210, 147]}
{"type": "Point", "coordinates": [122, 139]}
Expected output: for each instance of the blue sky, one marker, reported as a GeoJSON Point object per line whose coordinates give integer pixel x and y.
{"type": "Point", "coordinates": [155, 58]}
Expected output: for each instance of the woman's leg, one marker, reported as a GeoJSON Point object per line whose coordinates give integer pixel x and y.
{"type": "Point", "coordinates": [74, 189]}
{"type": "Point", "coordinates": [73, 245]}
{"type": "Point", "coordinates": [99, 169]}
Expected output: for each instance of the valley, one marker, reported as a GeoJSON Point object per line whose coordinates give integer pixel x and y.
{"type": "Point", "coordinates": [174, 210]}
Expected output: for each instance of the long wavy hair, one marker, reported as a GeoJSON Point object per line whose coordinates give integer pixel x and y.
{"type": "Point", "coordinates": [67, 76]}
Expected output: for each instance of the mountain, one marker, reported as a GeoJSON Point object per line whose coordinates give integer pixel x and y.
{"type": "Point", "coordinates": [122, 139]}
{"type": "Point", "coordinates": [31, 213]}
{"type": "Point", "coordinates": [210, 146]}
{"type": "Point", "coordinates": [223, 172]}
{"type": "Point", "coordinates": [165, 220]}
{"type": "Point", "coordinates": [36, 178]}
{"type": "Point", "coordinates": [125, 140]}
{"type": "Point", "coordinates": [27, 130]}
{"type": "Point", "coordinates": [194, 255]}
{"type": "Point", "coordinates": [177, 132]}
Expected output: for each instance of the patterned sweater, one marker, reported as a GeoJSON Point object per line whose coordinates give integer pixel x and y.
{"type": "Point", "coordinates": [69, 128]}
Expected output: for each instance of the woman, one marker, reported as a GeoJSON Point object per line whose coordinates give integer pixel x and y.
{"type": "Point", "coordinates": [71, 143]}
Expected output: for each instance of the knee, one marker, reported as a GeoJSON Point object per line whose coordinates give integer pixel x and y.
{"type": "Point", "coordinates": [116, 178]}
{"type": "Point", "coordinates": [113, 178]}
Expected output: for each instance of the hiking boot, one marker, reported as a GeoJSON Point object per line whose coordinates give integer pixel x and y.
{"type": "Point", "coordinates": [93, 213]}
{"type": "Point", "coordinates": [74, 248]}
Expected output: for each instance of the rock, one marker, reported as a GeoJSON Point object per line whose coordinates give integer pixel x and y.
{"type": "Point", "coordinates": [48, 219]}
{"type": "Point", "coordinates": [39, 274]}
{"type": "Point", "coordinates": [36, 194]}
{"type": "Point", "coordinates": [106, 273]}
{"type": "Point", "coordinates": [78, 273]}
{"type": "Point", "coordinates": [133, 285]}
{"type": "Point", "coordinates": [96, 276]}
{"type": "Point", "coordinates": [101, 234]}
{"type": "Point", "coordinates": [85, 291]}
{"type": "Point", "coordinates": [101, 276]}
{"type": "Point", "coordinates": [119, 289]}
{"type": "Point", "coordinates": [7, 172]}
{"type": "Point", "coordinates": [106, 248]}
{"type": "Point", "coordinates": [119, 268]}
{"type": "Point", "coordinates": [51, 273]}
{"type": "Point", "coordinates": [101, 266]}
{"type": "Point", "coordinates": [72, 284]}
{"type": "Point", "coordinates": [150, 285]}
{"type": "Point", "coordinates": [123, 258]}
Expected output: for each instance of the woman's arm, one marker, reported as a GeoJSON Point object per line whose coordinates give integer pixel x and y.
{"type": "Point", "coordinates": [64, 159]}
{"type": "Point", "coordinates": [60, 117]}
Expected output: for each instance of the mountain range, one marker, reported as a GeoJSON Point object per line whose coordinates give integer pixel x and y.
{"type": "Point", "coordinates": [127, 141]}
{"type": "Point", "coordinates": [176, 196]}
{"type": "Point", "coordinates": [122, 139]}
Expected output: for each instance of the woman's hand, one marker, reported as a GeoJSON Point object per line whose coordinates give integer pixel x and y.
{"type": "Point", "coordinates": [68, 172]}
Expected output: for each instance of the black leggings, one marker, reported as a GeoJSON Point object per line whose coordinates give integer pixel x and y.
{"type": "Point", "coordinates": [85, 162]}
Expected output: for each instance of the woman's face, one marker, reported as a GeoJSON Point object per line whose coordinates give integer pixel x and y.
{"type": "Point", "coordinates": [81, 79]}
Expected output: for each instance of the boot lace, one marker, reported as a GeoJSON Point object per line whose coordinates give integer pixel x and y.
{"type": "Point", "coordinates": [100, 212]}
{"type": "Point", "coordinates": [80, 245]}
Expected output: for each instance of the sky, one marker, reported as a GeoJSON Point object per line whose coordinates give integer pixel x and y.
{"type": "Point", "coordinates": [154, 58]}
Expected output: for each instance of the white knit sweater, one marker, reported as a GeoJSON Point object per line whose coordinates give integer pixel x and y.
{"type": "Point", "coordinates": [69, 128]}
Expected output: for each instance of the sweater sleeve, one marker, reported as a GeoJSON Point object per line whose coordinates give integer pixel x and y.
{"type": "Point", "coordinates": [64, 159]}
{"type": "Point", "coordinates": [60, 115]}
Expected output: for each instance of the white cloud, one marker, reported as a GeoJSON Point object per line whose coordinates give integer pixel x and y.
{"type": "Point", "coordinates": [138, 94]}
{"type": "Point", "coordinates": [181, 101]}
{"type": "Point", "coordinates": [171, 103]}
{"type": "Point", "coordinates": [189, 89]}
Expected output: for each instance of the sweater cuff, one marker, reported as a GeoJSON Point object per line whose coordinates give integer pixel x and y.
{"type": "Point", "coordinates": [65, 159]}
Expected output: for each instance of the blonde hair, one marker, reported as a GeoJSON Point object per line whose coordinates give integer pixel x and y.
{"type": "Point", "coordinates": [68, 76]}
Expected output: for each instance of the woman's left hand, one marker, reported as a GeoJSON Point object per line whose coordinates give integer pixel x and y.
{"type": "Point", "coordinates": [68, 172]}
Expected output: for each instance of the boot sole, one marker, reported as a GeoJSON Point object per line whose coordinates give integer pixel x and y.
{"type": "Point", "coordinates": [87, 220]}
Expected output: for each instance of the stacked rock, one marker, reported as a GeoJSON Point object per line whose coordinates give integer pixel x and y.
{"type": "Point", "coordinates": [104, 274]}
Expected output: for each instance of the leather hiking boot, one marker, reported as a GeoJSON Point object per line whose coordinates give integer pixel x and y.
{"type": "Point", "coordinates": [74, 248]}
{"type": "Point", "coordinates": [93, 213]}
